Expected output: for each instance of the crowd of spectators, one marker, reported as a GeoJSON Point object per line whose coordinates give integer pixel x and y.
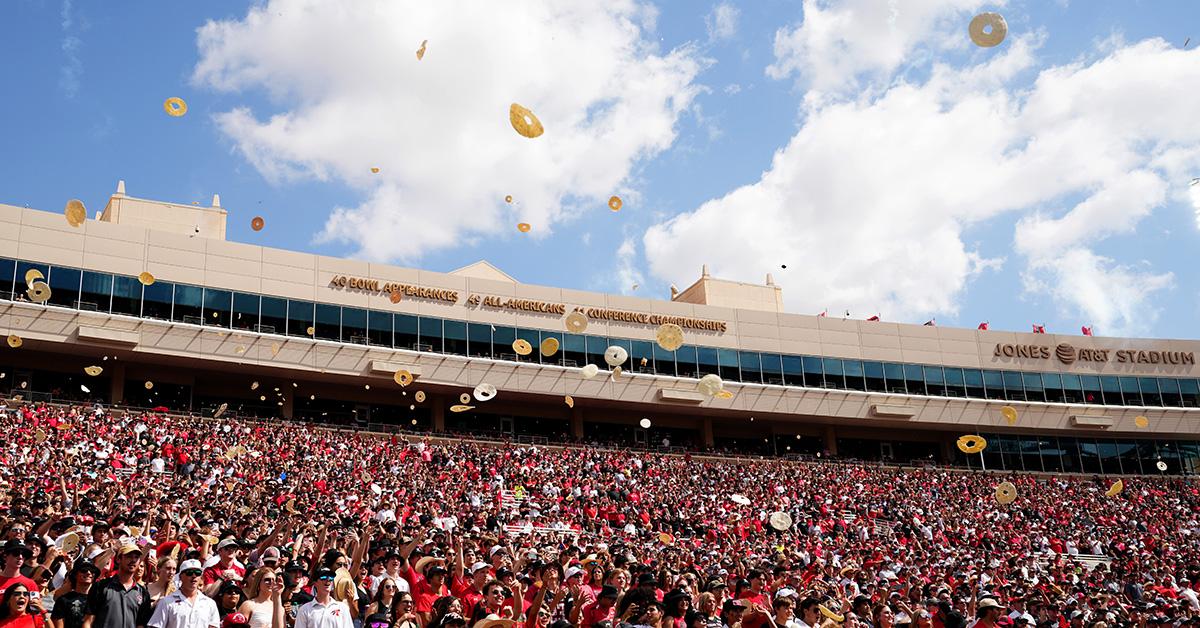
{"type": "Point", "coordinates": [113, 520]}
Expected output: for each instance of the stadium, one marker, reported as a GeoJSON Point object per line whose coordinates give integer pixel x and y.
{"type": "Point", "coordinates": [274, 334]}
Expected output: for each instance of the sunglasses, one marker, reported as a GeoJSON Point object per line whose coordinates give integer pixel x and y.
{"type": "Point", "coordinates": [23, 594]}
{"type": "Point", "coordinates": [325, 579]}
{"type": "Point", "coordinates": [192, 573]}
{"type": "Point", "coordinates": [378, 625]}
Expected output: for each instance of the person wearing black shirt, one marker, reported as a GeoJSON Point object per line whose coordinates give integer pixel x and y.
{"type": "Point", "coordinates": [70, 607]}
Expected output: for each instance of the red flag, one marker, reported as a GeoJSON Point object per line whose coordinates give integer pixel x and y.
{"type": "Point", "coordinates": [983, 326]}
{"type": "Point", "coordinates": [931, 322]}
{"type": "Point", "coordinates": [1087, 331]}
{"type": "Point", "coordinates": [1039, 329]}
{"type": "Point", "coordinates": [823, 313]}
{"type": "Point", "coordinates": [874, 318]}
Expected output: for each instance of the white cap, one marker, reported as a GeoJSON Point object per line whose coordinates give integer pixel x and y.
{"type": "Point", "coordinates": [495, 548]}
{"type": "Point", "coordinates": [190, 564]}
{"type": "Point", "coordinates": [572, 572]}
{"type": "Point", "coordinates": [479, 565]}
{"type": "Point", "coordinates": [786, 592]}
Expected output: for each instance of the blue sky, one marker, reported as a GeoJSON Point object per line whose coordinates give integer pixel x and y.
{"type": "Point", "coordinates": [891, 165]}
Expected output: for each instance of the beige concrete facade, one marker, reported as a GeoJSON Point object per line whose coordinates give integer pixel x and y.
{"type": "Point", "coordinates": [119, 247]}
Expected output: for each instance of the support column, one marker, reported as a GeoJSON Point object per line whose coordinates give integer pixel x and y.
{"type": "Point", "coordinates": [947, 451]}
{"type": "Point", "coordinates": [706, 432]}
{"type": "Point", "coordinates": [830, 440]}
{"type": "Point", "coordinates": [116, 378]}
{"type": "Point", "coordinates": [437, 413]}
{"type": "Point", "coordinates": [577, 423]}
{"type": "Point", "coordinates": [289, 405]}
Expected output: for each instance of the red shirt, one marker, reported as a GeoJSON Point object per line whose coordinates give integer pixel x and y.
{"type": "Point", "coordinates": [25, 620]}
{"type": "Point", "coordinates": [212, 574]}
{"type": "Point", "coordinates": [593, 613]}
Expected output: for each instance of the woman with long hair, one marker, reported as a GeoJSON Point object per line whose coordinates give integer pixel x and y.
{"type": "Point", "coordinates": [404, 612]}
{"type": "Point", "coordinates": [264, 604]}
{"type": "Point", "coordinates": [15, 609]}
{"type": "Point", "coordinates": [384, 598]}
{"type": "Point", "coordinates": [164, 581]}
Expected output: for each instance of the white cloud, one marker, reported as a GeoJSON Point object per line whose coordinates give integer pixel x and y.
{"type": "Point", "coordinates": [1112, 297]}
{"type": "Point", "coordinates": [868, 202]}
{"type": "Point", "coordinates": [837, 42]}
{"type": "Point", "coordinates": [70, 72]}
{"type": "Point", "coordinates": [722, 22]}
{"type": "Point", "coordinates": [628, 275]}
{"type": "Point", "coordinates": [353, 96]}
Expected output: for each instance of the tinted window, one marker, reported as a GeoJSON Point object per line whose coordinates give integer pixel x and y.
{"type": "Point", "coordinates": [772, 368]}
{"type": "Point", "coordinates": [974, 381]}
{"type": "Point", "coordinates": [664, 361]}
{"type": "Point", "coordinates": [706, 359]}
{"type": "Point", "coordinates": [832, 374]}
{"type": "Point", "coordinates": [894, 374]}
{"type": "Point", "coordinates": [641, 356]}
{"type": "Point", "coordinates": [1190, 391]}
{"type": "Point", "coordinates": [595, 350]}
{"type": "Point", "coordinates": [993, 383]}
{"type": "Point", "coordinates": [21, 288]}
{"type": "Point", "coordinates": [8, 268]}
{"type": "Point", "coordinates": [873, 371]}
{"type": "Point", "coordinates": [156, 300]}
{"type": "Point", "coordinates": [1012, 385]}
{"type": "Point", "coordinates": [1033, 386]}
{"type": "Point", "coordinates": [64, 286]}
{"type": "Point", "coordinates": [793, 370]}
{"type": "Point", "coordinates": [127, 297]}
{"type": "Point", "coordinates": [751, 366]}
{"type": "Point", "coordinates": [1150, 394]}
{"type": "Point", "coordinates": [1170, 392]}
{"type": "Point", "coordinates": [430, 330]}
{"type": "Point", "coordinates": [218, 307]}
{"type": "Point", "coordinates": [404, 334]}
{"type": "Point", "coordinates": [245, 311]}
{"type": "Point", "coordinates": [812, 371]}
{"type": "Point", "coordinates": [557, 358]}
{"type": "Point", "coordinates": [273, 316]}
{"type": "Point", "coordinates": [1052, 382]}
{"type": "Point", "coordinates": [954, 382]}
{"type": "Point", "coordinates": [1130, 391]}
{"type": "Point", "coordinates": [685, 361]}
{"type": "Point", "coordinates": [1091, 388]}
{"type": "Point", "coordinates": [455, 334]}
{"type": "Point", "coordinates": [479, 340]}
{"type": "Point", "coordinates": [728, 360]}
{"type": "Point", "coordinates": [189, 304]}
{"type": "Point", "coordinates": [379, 328]}
{"type": "Point", "coordinates": [914, 379]}
{"type": "Point", "coordinates": [328, 322]}
{"type": "Point", "coordinates": [300, 318]}
{"type": "Point", "coordinates": [96, 291]}
{"type": "Point", "coordinates": [935, 381]}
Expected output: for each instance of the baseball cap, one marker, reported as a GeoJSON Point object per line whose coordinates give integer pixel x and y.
{"type": "Point", "coordinates": [235, 620]}
{"type": "Point", "coordinates": [270, 555]}
{"type": "Point", "coordinates": [191, 564]}
{"type": "Point", "coordinates": [479, 565]}
{"type": "Point", "coordinates": [229, 542]}
{"type": "Point", "coordinates": [572, 572]}
{"type": "Point", "coordinates": [129, 548]}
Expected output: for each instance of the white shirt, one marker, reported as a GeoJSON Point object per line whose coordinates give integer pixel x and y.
{"type": "Point", "coordinates": [317, 615]}
{"type": "Point", "coordinates": [176, 611]}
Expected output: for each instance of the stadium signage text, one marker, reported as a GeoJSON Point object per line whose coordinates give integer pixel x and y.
{"type": "Point", "coordinates": [595, 313]}
{"type": "Point", "coordinates": [386, 288]}
{"type": "Point", "coordinates": [1068, 354]}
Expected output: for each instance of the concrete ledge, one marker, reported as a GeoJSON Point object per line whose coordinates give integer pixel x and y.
{"type": "Point", "coordinates": [685, 396]}
{"type": "Point", "coordinates": [379, 367]}
{"type": "Point", "coordinates": [1090, 420]}
{"type": "Point", "coordinates": [108, 336]}
{"type": "Point", "coordinates": [904, 412]}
